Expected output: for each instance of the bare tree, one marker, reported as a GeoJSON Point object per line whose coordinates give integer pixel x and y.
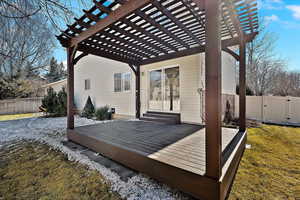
{"type": "Point", "coordinates": [27, 32]}
{"type": "Point", "coordinates": [57, 12]}
{"type": "Point", "coordinates": [263, 64]}
{"type": "Point", "coordinates": [287, 84]}
{"type": "Point", "coordinates": [24, 42]}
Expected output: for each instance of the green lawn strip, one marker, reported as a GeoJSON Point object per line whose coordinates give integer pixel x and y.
{"type": "Point", "coordinates": [33, 171]}
{"type": "Point", "coordinates": [271, 168]}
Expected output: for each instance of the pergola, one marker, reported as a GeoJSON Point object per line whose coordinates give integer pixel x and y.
{"type": "Point", "coordinates": [140, 32]}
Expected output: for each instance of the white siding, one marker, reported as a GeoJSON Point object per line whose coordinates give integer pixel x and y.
{"type": "Point", "coordinates": [228, 74]}
{"type": "Point", "coordinates": [192, 77]}
{"type": "Point", "coordinates": [101, 71]}
{"type": "Point", "coordinates": [189, 73]}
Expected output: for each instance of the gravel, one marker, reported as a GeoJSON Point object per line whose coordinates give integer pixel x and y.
{"type": "Point", "coordinates": [52, 131]}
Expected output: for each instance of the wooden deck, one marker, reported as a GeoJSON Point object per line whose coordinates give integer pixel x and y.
{"type": "Point", "coordinates": [156, 149]}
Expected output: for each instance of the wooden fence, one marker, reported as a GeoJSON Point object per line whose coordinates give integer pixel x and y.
{"type": "Point", "coordinates": [22, 105]}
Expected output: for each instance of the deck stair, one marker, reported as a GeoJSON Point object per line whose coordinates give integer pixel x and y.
{"type": "Point", "coordinates": [162, 117]}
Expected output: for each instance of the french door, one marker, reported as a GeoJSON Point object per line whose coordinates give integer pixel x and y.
{"type": "Point", "coordinates": [164, 90]}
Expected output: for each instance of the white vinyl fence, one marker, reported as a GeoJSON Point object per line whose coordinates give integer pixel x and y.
{"type": "Point", "coordinates": [22, 105]}
{"type": "Point", "coordinates": [272, 109]}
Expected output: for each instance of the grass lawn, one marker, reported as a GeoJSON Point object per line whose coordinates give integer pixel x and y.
{"type": "Point", "coordinates": [18, 116]}
{"type": "Point", "coordinates": [270, 170]}
{"type": "Point", "coordinates": [32, 171]}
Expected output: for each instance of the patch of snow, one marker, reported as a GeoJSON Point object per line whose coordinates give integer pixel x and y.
{"type": "Point", "coordinates": [248, 146]}
{"type": "Point", "coordinates": [52, 131]}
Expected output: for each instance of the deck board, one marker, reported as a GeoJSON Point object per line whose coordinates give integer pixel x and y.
{"type": "Point", "coordinates": [181, 145]}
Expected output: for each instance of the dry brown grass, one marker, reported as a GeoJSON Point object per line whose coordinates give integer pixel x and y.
{"type": "Point", "coordinates": [18, 116]}
{"type": "Point", "coordinates": [32, 171]}
{"type": "Point", "coordinates": [270, 170]}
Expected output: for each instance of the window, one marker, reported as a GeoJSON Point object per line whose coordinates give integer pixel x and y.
{"type": "Point", "coordinates": [87, 84]}
{"type": "Point", "coordinates": [126, 81]}
{"type": "Point", "coordinates": [122, 82]}
{"type": "Point", "coordinates": [118, 82]}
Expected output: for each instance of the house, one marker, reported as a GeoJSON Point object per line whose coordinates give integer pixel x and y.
{"type": "Point", "coordinates": [57, 85]}
{"type": "Point", "coordinates": [160, 40]}
{"type": "Point", "coordinates": [112, 83]}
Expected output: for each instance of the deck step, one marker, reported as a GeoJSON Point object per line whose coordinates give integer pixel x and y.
{"type": "Point", "coordinates": [167, 118]}
{"type": "Point", "coordinates": [160, 115]}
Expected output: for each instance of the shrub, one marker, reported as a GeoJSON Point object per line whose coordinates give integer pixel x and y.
{"type": "Point", "coordinates": [103, 113]}
{"type": "Point", "coordinates": [61, 108]}
{"type": "Point", "coordinates": [50, 101]}
{"type": "Point", "coordinates": [89, 109]}
{"type": "Point", "coordinates": [54, 103]}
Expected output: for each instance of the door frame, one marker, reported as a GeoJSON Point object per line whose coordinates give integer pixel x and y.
{"type": "Point", "coordinates": [163, 88]}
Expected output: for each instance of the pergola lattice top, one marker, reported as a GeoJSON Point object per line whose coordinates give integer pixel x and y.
{"type": "Point", "coordinates": [146, 31]}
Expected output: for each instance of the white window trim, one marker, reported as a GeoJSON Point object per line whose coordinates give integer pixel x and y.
{"type": "Point", "coordinates": [123, 81]}
{"type": "Point", "coordinates": [123, 74]}
{"type": "Point", "coordinates": [87, 82]}
{"type": "Point", "coordinates": [114, 80]}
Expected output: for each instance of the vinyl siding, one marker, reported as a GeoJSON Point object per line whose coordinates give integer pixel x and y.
{"type": "Point", "coordinates": [191, 68]}
{"type": "Point", "coordinates": [101, 71]}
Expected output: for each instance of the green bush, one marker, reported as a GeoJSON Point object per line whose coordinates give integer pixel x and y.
{"type": "Point", "coordinates": [89, 109]}
{"type": "Point", "coordinates": [61, 108]}
{"type": "Point", "coordinates": [49, 101]}
{"type": "Point", "coordinates": [54, 103]}
{"type": "Point", "coordinates": [103, 113]}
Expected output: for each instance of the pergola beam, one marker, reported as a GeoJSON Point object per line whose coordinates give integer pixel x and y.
{"type": "Point", "coordinates": [127, 8]}
{"type": "Point", "coordinates": [194, 50]}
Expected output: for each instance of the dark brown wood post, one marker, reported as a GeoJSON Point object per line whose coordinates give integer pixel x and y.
{"type": "Point", "coordinates": [213, 106]}
{"type": "Point", "coordinates": [242, 86]}
{"type": "Point", "coordinates": [138, 92]}
{"type": "Point", "coordinates": [70, 86]}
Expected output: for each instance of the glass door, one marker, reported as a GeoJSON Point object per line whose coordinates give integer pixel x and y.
{"type": "Point", "coordinates": [171, 89]}
{"type": "Point", "coordinates": [164, 89]}
{"type": "Point", "coordinates": [155, 95]}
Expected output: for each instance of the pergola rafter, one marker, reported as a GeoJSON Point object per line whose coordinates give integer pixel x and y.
{"type": "Point", "coordinates": [145, 30]}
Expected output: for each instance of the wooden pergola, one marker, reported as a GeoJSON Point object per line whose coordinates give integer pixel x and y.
{"type": "Point", "coordinates": [140, 32]}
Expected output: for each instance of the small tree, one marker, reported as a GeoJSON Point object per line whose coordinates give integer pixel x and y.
{"type": "Point", "coordinates": [61, 108]}
{"type": "Point", "coordinates": [89, 109]}
{"type": "Point", "coordinates": [54, 103]}
{"type": "Point", "coordinates": [49, 102]}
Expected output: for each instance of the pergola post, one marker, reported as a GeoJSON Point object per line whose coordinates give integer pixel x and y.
{"type": "Point", "coordinates": [242, 86]}
{"type": "Point", "coordinates": [70, 86]}
{"type": "Point", "coordinates": [213, 89]}
{"type": "Point", "coordinates": [137, 93]}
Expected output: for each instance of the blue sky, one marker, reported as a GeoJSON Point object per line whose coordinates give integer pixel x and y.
{"type": "Point", "coordinates": [282, 17]}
